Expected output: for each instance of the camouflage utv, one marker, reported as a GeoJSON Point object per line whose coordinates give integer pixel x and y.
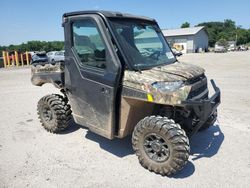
{"type": "Point", "coordinates": [120, 78]}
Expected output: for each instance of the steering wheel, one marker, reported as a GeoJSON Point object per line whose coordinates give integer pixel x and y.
{"type": "Point", "coordinates": [155, 55]}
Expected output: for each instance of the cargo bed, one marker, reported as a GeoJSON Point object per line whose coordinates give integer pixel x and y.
{"type": "Point", "coordinates": [46, 72]}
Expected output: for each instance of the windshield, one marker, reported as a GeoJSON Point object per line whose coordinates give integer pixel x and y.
{"type": "Point", "coordinates": [143, 43]}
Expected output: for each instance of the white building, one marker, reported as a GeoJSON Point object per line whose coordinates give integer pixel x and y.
{"type": "Point", "coordinates": [192, 39]}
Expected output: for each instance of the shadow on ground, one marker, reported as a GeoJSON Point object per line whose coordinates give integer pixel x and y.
{"type": "Point", "coordinates": [122, 147]}
{"type": "Point", "coordinates": [187, 171]}
{"type": "Point", "coordinates": [118, 147]}
{"type": "Point", "coordinates": [206, 143]}
{"type": "Point", "coordinates": [72, 128]}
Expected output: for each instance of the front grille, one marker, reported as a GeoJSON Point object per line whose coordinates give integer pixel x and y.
{"type": "Point", "coordinates": [198, 88]}
{"type": "Point", "coordinates": [196, 79]}
{"type": "Point", "coordinates": [197, 92]}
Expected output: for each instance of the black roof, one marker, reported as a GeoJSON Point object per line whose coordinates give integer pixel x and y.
{"type": "Point", "coordinates": [107, 14]}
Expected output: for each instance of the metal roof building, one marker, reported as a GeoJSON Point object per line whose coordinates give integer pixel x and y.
{"type": "Point", "coordinates": [190, 40]}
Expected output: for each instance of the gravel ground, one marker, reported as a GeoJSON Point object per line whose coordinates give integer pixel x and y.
{"type": "Point", "coordinates": [32, 157]}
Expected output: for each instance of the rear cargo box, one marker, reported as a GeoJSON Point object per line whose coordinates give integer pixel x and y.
{"type": "Point", "coordinates": [46, 72]}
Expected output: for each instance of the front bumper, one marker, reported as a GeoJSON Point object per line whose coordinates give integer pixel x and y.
{"type": "Point", "coordinates": [203, 109]}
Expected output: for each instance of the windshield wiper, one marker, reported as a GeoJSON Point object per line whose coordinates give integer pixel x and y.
{"type": "Point", "coordinates": [138, 67]}
{"type": "Point", "coordinates": [141, 66]}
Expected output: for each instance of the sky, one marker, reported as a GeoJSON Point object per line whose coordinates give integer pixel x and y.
{"type": "Point", "coordinates": [25, 20]}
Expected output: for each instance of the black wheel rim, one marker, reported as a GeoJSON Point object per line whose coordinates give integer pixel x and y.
{"type": "Point", "coordinates": [47, 114]}
{"type": "Point", "coordinates": [156, 147]}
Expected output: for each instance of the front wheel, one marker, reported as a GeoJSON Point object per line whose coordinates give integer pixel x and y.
{"type": "Point", "coordinates": [161, 145]}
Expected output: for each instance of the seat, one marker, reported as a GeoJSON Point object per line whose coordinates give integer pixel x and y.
{"type": "Point", "coordinates": [84, 41]}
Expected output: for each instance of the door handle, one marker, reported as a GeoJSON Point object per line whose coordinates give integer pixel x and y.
{"type": "Point", "coordinates": [104, 90]}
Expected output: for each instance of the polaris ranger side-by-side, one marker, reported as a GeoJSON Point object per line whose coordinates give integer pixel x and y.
{"type": "Point", "coordinates": [120, 77]}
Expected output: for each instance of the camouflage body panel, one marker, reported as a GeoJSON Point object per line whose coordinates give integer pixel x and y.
{"type": "Point", "coordinates": [142, 81]}
{"type": "Point", "coordinates": [48, 73]}
{"type": "Point", "coordinates": [47, 68]}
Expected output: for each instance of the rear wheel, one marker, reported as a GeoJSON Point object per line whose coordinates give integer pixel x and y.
{"type": "Point", "coordinates": [54, 112]}
{"type": "Point", "coordinates": [161, 145]}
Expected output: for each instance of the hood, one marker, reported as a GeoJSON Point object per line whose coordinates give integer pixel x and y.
{"type": "Point", "coordinates": [168, 73]}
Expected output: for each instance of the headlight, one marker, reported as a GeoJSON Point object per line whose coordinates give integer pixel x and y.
{"type": "Point", "coordinates": [167, 86]}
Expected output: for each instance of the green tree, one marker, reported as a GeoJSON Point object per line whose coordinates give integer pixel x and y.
{"type": "Point", "coordinates": [34, 46]}
{"type": "Point", "coordinates": [185, 25]}
{"type": "Point", "coordinates": [242, 36]}
{"type": "Point", "coordinates": [229, 24]}
{"type": "Point", "coordinates": [226, 30]}
{"type": "Point", "coordinates": [222, 42]}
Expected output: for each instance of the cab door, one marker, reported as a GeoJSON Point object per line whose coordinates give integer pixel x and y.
{"type": "Point", "coordinates": [92, 72]}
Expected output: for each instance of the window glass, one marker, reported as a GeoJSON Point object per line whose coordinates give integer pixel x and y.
{"type": "Point", "coordinates": [88, 43]}
{"type": "Point", "coordinates": [144, 44]}
{"type": "Point", "coordinates": [147, 40]}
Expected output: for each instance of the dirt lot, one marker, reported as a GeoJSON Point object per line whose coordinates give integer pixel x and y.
{"type": "Point", "coordinates": [31, 157]}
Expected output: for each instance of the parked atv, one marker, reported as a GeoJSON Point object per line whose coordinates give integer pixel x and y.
{"type": "Point", "coordinates": [120, 77]}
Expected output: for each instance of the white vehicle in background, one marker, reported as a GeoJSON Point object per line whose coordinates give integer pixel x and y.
{"type": "Point", "coordinates": [242, 48]}
{"type": "Point", "coordinates": [220, 49]}
{"type": "Point", "coordinates": [56, 56]}
{"type": "Point", "coordinates": [231, 48]}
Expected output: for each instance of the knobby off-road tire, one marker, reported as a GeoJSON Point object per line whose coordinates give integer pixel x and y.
{"type": "Point", "coordinates": [54, 112]}
{"type": "Point", "coordinates": [161, 145]}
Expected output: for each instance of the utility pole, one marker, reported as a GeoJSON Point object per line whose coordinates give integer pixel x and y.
{"type": "Point", "coordinates": [236, 37]}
